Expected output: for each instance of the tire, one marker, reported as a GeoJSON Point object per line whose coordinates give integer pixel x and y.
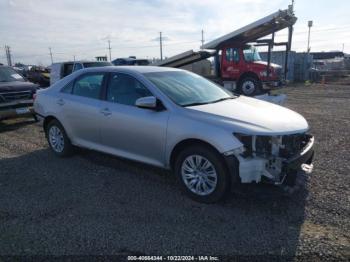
{"type": "Point", "coordinates": [250, 86]}
{"type": "Point", "coordinates": [35, 118]}
{"type": "Point", "coordinates": [58, 139]}
{"type": "Point", "coordinates": [219, 183]}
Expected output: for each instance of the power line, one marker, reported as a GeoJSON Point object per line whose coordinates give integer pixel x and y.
{"type": "Point", "coordinates": [161, 46]}
{"type": "Point", "coordinates": [8, 55]}
{"type": "Point", "coordinates": [202, 41]}
{"type": "Point", "coordinates": [109, 48]}
{"type": "Point", "coordinates": [51, 55]}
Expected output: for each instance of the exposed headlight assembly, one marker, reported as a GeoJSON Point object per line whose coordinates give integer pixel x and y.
{"type": "Point", "coordinates": [237, 151]}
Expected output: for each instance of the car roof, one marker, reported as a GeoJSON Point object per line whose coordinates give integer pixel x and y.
{"type": "Point", "coordinates": [131, 69]}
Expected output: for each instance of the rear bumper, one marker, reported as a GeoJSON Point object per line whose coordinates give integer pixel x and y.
{"type": "Point", "coordinates": [16, 109]}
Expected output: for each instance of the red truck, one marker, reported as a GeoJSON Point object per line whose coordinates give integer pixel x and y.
{"type": "Point", "coordinates": [237, 63]}
{"type": "Point", "coordinates": [242, 69]}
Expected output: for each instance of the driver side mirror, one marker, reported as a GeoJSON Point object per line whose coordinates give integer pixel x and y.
{"type": "Point", "coordinates": [149, 102]}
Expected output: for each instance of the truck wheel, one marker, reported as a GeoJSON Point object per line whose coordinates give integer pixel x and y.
{"type": "Point", "coordinates": [58, 139]}
{"type": "Point", "coordinates": [202, 174]}
{"type": "Point", "coordinates": [249, 86]}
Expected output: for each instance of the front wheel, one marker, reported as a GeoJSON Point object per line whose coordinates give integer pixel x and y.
{"type": "Point", "coordinates": [250, 86]}
{"type": "Point", "coordinates": [58, 139]}
{"type": "Point", "coordinates": [202, 174]}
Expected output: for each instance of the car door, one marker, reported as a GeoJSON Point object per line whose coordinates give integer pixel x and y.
{"type": "Point", "coordinates": [129, 131]}
{"type": "Point", "coordinates": [80, 109]}
{"type": "Point", "coordinates": [230, 63]}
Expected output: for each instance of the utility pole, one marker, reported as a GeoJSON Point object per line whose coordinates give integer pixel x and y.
{"type": "Point", "coordinates": [8, 55]}
{"type": "Point", "coordinates": [309, 24]}
{"type": "Point", "coordinates": [161, 46]}
{"type": "Point", "coordinates": [51, 55]}
{"type": "Point", "coordinates": [202, 41]}
{"type": "Point", "coordinates": [109, 48]}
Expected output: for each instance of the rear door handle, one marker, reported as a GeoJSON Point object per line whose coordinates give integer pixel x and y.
{"type": "Point", "coordinates": [60, 102]}
{"type": "Point", "coordinates": [106, 111]}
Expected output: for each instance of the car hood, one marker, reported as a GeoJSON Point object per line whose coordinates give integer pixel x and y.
{"type": "Point", "coordinates": [250, 116]}
{"type": "Point", "coordinates": [17, 86]}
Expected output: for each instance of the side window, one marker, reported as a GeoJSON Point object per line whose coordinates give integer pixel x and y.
{"type": "Point", "coordinates": [89, 85]}
{"type": "Point", "coordinates": [77, 67]}
{"type": "Point", "coordinates": [125, 89]}
{"type": "Point", "coordinates": [67, 88]}
{"type": "Point", "coordinates": [232, 55]}
{"type": "Point", "coordinates": [67, 69]}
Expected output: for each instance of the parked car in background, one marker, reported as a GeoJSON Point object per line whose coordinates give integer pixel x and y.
{"type": "Point", "coordinates": [60, 70]}
{"type": "Point", "coordinates": [16, 94]}
{"type": "Point", "coordinates": [39, 75]}
{"type": "Point", "coordinates": [178, 120]}
{"type": "Point", "coordinates": [130, 61]}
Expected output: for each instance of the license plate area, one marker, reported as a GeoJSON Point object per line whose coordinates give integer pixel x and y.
{"type": "Point", "coordinates": [22, 111]}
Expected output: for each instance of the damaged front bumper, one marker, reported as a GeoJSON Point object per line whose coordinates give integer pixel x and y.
{"type": "Point", "coordinates": [275, 168]}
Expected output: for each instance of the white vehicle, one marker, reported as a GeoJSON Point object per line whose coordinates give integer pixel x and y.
{"type": "Point", "coordinates": [177, 120]}
{"type": "Point", "coordinates": [60, 70]}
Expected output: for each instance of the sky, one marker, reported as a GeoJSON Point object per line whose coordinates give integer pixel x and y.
{"type": "Point", "coordinates": [82, 28]}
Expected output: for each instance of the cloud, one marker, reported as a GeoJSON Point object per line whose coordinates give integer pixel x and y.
{"type": "Point", "coordinates": [82, 28]}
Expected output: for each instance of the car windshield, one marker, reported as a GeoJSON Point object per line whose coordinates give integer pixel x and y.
{"type": "Point", "coordinates": [251, 54]}
{"type": "Point", "coordinates": [7, 74]}
{"type": "Point", "coordinates": [188, 89]}
{"type": "Point", "coordinates": [97, 64]}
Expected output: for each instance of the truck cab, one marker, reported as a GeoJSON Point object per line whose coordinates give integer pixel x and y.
{"type": "Point", "coordinates": [241, 68]}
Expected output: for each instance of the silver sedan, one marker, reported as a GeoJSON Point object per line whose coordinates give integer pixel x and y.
{"type": "Point", "coordinates": [177, 120]}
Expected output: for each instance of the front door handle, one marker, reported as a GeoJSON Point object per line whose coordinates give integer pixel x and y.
{"type": "Point", "coordinates": [60, 102]}
{"type": "Point", "coordinates": [106, 111]}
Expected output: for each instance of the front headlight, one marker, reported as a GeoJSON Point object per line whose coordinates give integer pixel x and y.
{"type": "Point", "coordinates": [263, 73]}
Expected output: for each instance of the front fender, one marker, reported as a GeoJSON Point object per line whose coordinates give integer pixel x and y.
{"type": "Point", "coordinates": [180, 129]}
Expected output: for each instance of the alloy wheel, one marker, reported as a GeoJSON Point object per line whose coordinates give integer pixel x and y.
{"type": "Point", "coordinates": [56, 139]}
{"type": "Point", "coordinates": [199, 175]}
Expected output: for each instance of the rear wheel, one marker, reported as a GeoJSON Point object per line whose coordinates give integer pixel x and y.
{"type": "Point", "coordinates": [202, 174]}
{"type": "Point", "coordinates": [250, 86]}
{"type": "Point", "coordinates": [58, 139]}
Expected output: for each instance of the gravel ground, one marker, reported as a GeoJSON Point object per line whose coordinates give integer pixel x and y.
{"type": "Point", "coordinates": [97, 204]}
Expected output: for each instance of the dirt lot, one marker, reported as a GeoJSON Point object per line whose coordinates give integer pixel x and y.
{"type": "Point", "coordinates": [97, 204]}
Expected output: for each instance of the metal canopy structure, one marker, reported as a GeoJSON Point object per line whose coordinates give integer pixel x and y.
{"type": "Point", "coordinates": [260, 28]}
{"type": "Point", "coordinates": [251, 33]}
{"type": "Point", "coordinates": [185, 58]}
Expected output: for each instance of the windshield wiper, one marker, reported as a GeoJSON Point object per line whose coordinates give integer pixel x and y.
{"type": "Point", "coordinates": [196, 104]}
{"type": "Point", "coordinates": [210, 102]}
{"type": "Point", "coordinates": [221, 99]}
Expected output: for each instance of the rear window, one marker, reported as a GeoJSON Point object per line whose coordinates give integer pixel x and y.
{"type": "Point", "coordinates": [7, 74]}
